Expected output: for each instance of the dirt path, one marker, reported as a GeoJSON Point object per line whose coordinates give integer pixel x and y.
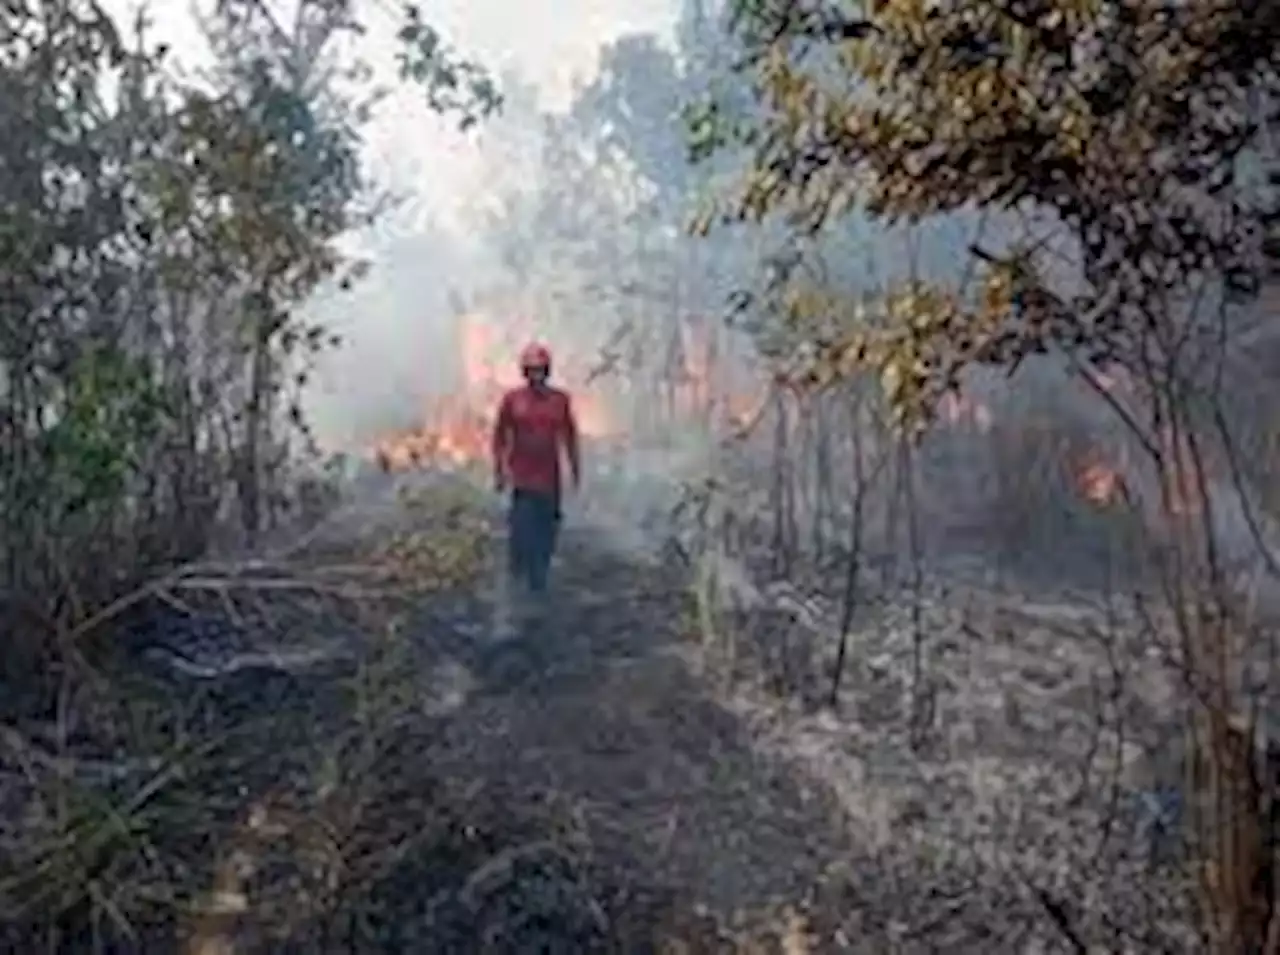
{"type": "Point", "coordinates": [592, 703]}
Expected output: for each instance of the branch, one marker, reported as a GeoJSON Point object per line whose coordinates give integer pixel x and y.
{"type": "Point", "coordinates": [1057, 915]}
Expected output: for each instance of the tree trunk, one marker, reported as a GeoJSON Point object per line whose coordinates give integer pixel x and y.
{"type": "Point", "coordinates": [255, 432]}
{"type": "Point", "coordinates": [1236, 832]}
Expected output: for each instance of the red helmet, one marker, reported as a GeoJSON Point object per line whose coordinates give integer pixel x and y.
{"type": "Point", "coordinates": [535, 355]}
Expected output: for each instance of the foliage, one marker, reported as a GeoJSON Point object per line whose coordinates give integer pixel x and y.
{"type": "Point", "coordinates": [452, 84]}
{"type": "Point", "coordinates": [163, 235]}
{"type": "Point", "coordinates": [632, 110]}
{"type": "Point", "coordinates": [1111, 133]}
{"type": "Point", "coordinates": [1120, 149]}
{"type": "Point", "coordinates": [111, 410]}
{"type": "Point", "coordinates": [443, 543]}
{"type": "Point", "coordinates": [593, 226]}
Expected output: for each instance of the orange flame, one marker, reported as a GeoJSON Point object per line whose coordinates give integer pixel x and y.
{"type": "Point", "coordinates": [1100, 484]}
{"type": "Point", "coordinates": [1103, 484]}
{"type": "Point", "coordinates": [456, 427]}
{"type": "Point", "coordinates": [705, 392]}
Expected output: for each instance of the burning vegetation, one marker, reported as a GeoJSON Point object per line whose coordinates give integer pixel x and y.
{"type": "Point", "coordinates": [694, 384]}
{"type": "Point", "coordinates": [454, 428]}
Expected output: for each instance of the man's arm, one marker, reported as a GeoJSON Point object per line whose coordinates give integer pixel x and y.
{"type": "Point", "coordinates": [569, 432]}
{"type": "Point", "coordinates": [501, 443]}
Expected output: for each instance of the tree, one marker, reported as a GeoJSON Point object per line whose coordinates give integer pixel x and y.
{"type": "Point", "coordinates": [160, 236]}
{"type": "Point", "coordinates": [1111, 138]}
{"type": "Point", "coordinates": [1056, 112]}
{"type": "Point", "coordinates": [632, 109]}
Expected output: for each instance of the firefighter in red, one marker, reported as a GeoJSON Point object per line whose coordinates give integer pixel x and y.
{"type": "Point", "coordinates": [535, 425]}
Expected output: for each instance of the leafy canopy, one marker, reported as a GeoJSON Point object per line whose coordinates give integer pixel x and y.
{"type": "Point", "coordinates": [1113, 130]}
{"type": "Point", "coordinates": [453, 84]}
{"type": "Point", "coordinates": [158, 230]}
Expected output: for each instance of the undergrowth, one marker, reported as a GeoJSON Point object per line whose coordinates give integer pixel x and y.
{"type": "Point", "coordinates": [276, 812]}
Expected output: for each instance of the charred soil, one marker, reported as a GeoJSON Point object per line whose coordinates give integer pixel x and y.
{"type": "Point", "coordinates": [288, 774]}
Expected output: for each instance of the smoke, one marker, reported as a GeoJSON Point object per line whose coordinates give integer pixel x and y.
{"type": "Point", "coordinates": [561, 220]}
{"type": "Point", "coordinates": [535, 243]}
{"type": "Point", "coordinates": [435, 254]}
{"type": "Point", "coordinates": [396, 345]}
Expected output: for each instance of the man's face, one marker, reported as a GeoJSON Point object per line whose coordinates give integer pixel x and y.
{"type": "Point", "coordinates": [537, 375]}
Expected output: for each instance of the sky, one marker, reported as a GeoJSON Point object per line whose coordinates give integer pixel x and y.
{"type": "Point", "coordinates": [390, 323]}
{"type": "Point", "coordinates": [550, 43]}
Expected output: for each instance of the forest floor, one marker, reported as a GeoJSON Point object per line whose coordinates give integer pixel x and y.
{"type": "Point", "coordinates": [282, 757]}
{"type": "Point", "coordinates": [341, 747]}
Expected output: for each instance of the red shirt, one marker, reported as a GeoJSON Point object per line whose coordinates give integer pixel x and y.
{"type": "Point", "coordinates": [532, 426]}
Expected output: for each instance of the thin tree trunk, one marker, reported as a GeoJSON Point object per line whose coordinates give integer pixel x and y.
{"type": "Point", "coordinates": [849, 601]}
{"type": "Point", "coordinates": [781, 516]}
{"type": "Point", "coordinates": [921, 695]}
{"type": "Point", "coordinates": [255, 430]}
{"type": "Point", "coordinates": [822, 482]}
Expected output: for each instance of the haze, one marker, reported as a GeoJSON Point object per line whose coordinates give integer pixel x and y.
{"type": "Point", "coordinates": [395, 346]}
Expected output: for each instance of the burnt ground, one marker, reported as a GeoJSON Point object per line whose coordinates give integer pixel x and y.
{"type": "Point", "coordinates": [292, 775]}
{"type": "Point", "coordinates": [592, 703]}
{"type": "Point", "coordinates": [1007, 756]}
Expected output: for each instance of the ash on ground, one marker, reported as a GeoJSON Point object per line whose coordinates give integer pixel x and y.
{"type": "Point", "coordinates": [1010, 761]}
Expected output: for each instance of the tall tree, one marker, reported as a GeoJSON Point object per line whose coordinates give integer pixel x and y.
{"type": "Point", "coordinates": [632, 109]}
{"type": "Point", "coordinates": [160, 235]}
{"type": "Point", "coordinates": [1110, 136]}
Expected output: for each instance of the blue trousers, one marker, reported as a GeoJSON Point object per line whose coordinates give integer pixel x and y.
{"type": "Point", "coordinates": [533, 527]}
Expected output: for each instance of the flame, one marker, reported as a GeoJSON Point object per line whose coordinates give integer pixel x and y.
{"type": "Point", "coordinates": [706, 392]}
{"type": "Point", "coordinates": [593, 417]}
{"type": "Point", "coordinates": [455, 428]}
{"type": "Point", "coordinates": [741, 409]}
{"type": "Point", "coordinates": [1180, 469]}
{"type": "Point", "coordinates": [1099, 483]}
{"type": "Point", "coordinates": [1103, 484]}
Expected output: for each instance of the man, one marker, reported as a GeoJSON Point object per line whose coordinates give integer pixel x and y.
{"type": "Point", "coordinates": [535, 425]}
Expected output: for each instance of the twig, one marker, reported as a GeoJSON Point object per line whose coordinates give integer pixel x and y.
{"type": "Point", "coordinates": [504, 860]}
{"type": "Point", "coordinates": [1057, 915]}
